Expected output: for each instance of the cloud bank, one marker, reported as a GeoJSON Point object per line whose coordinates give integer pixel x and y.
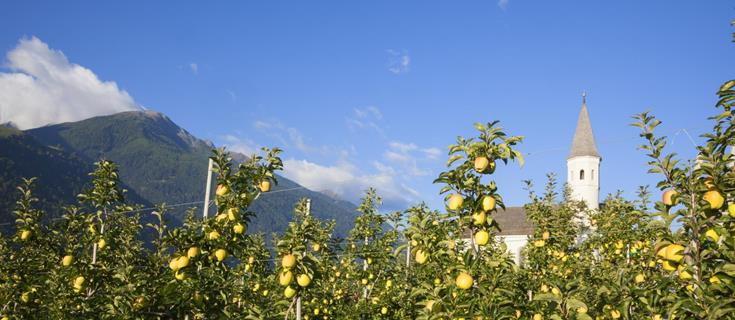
{"type": "Point", "coordinates": [42, 87]}
{"type": "Point", "coordinates": [347, 182]}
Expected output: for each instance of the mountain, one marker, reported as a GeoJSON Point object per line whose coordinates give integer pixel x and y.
{"type": "Point", "coordinates": [60, 175]}
{"type": "Point", "coordinates": [158, 161]}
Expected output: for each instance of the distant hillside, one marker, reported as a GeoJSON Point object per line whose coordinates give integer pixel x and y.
{"type": "Point", "coordinates": [61, 176]}
{"type": "Point", "coordinates": [162, 162]}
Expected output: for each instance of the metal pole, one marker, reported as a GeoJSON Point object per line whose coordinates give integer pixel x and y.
{"type": "Point", "coordinates": [208, 190]}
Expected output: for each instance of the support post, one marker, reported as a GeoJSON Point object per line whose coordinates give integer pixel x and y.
{"type": "Point", "coordinates": [208, 189]}
{"type": "Point", "coordinates": [298, 307]}
{"type": "Point", "coordinates": [298, 298]}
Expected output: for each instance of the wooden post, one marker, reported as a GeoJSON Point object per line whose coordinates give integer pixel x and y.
{"type": "Point", "coordinates": [102, 231]}
{"type": "Point", "coordinates": [208, 189]}
{"type": "Point", "coordinates": [298, 307]}
{"type": "Point", "coordinates": [298, 298]}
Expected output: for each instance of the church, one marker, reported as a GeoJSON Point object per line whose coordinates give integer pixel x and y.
{"type": "Point", "coordinates": [583, 165]}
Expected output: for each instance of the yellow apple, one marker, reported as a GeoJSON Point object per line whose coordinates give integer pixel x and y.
{"type": "Point", "coordinates": [479, 218]}
{"type": "Point", "coordinates": [101, 244]}
{"type": "Point", "coordinates": [455, 202]}
{"type": "Point", "coordinates": [384, 310]}
{"type": "Point", "coordinates": [238, 228]}
{"type": "Point", "coordinates": [316, 247]}
{"type": "Point", "coordinates": [79, 282]}
{"type": "Point", "coordinates": [639, 278]}
{"type": "Point", "coordinates": [714, 198]}
{"type": "Point", "coordinates": [214, 235]}
{"type": "Point", "coordinates": [265, 186]}
{"type": "Point", "coordinates": [684, 275]}
{"type": "Point", "coordinates": [303, 280]}
{"type": "Point", "coordinates": [481, 163]}
{"type": "Point", "coordinates": [289, 292]}
{"type": "Point", "coordinates": [182, 262]}
{"type": "Point", "coordinates": [488, 203]}
{"type": "Point", "coordinates": [180, 275]}
{"type": "Point", "coordinates": [25, 234]}
{"type": "Point", "coordinates": [731, 210]}
{"type": "Point", "coordinates": [674, 252]}
{"type": "Point", "coordinates": [668, 265]}
{"type": "Point", "coordinates": [67, 260]}
{"type": "Point", "coordinates": [545, 235]}
{"type": "Point", "coordinates": [288, 261]}
{"type": "Point", "coordinates": [711, 234]}
{"type": "Point", "coordinates": [555, 291]}
{"type": "Point", "coordinates": [285, 278]}
{"type": "Point", "coordinates": [222, 190]}
{"type": "Point", "coordinates": [464, 281]}
{"type": "Point", "coordinates": [421, 256]}
{"type": "Point", "coordinates": [174, 264]}
{"type": "Point", "coordinates": [232, 214]}
{"type": "Point", "coordinates": [539, 243]}
{"type": "Point", "coordinates": [192, 252]}
{"type": "Point", "coordinates": [220, 254]}
{"type": "Point", "coordinates": [615, 314]}
{"type": "Point", "coordinates": [482, 237]}
{"type": "Point", "coordinates": [669, 197]}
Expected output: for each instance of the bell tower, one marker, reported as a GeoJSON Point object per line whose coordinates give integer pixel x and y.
{"type": "Point", "coordinates": [583, 163]}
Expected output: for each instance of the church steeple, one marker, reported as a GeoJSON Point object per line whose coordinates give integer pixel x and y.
{"type": "Point", "coordinates": [584, 141]}
{"type": "Point", "coordinates": [583, 162]}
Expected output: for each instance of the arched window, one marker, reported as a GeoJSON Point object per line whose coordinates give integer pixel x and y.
{"type": "Point", "coordinates": [581, 174]}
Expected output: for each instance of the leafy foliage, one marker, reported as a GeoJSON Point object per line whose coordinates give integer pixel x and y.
{"type": "Point", "coordinates": [622, 261]}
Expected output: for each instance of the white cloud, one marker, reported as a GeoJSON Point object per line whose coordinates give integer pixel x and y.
{"type": "Point", "coordinates": [241, 145]}
{"type": "Point", "coordinates": [398, 61]}
{"type": "Point", "coordinates": [365, 118]}
{"type": "Point", "coordinates": [503, 4]}
{"type": "Point", "coordinates": [346, 181]}
{"type": "Point", "coordinates": [194, 68]}
{"type": "Point", "coordinates": [407, 157]}
{"type": "Point", "coordinates": [290, 137]}
{"type": "Point", "coordinates": [431, 153]}
{"type": "Point", "coordinates": [42, 87]}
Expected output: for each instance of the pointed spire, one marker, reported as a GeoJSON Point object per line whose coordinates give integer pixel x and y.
{"type": "Point", "coordinates": [584, 141]}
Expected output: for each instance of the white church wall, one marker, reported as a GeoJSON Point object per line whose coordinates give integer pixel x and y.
{"type": "Point", "coordinates": [584, 179]}
{"type": "Point", "coordinates": [515, 244]}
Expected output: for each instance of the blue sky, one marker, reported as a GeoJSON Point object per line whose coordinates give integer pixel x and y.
{"type": "Point", "coordinates": [372, 92]}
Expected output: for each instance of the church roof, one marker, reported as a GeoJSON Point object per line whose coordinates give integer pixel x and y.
{"type": "Point", "coordinates": [512, 221]}
{"type": "Point", "coordinates": [584, 141]}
